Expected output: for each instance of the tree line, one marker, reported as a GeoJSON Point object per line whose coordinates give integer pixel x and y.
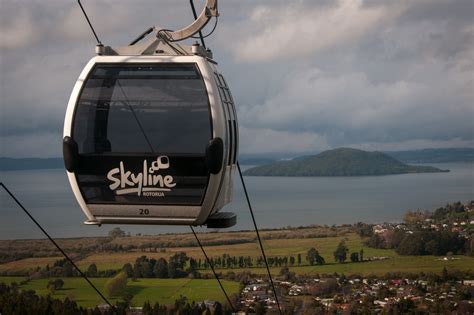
{"type": "Point", "coordinates": [181, 265]}
{"type": "Point", "coordinates": [422, 242]}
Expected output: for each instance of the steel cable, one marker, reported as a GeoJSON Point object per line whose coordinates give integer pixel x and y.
{"type": "Point", "coordinates": [258, 237]}
{"type": "Point", "coordinates": [213, 270]}
{"type": "Point", "coordinates": [56, 244]}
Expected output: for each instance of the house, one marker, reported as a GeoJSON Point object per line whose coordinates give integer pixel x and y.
{"type": "Point", "coordinates": [468, 282]}
{"type": "Point", "coordinates": [381, 303]}
{"type": "Point", "coordinates": [210, 303]}
{"type": "Point", "coordinates": [134, 310]}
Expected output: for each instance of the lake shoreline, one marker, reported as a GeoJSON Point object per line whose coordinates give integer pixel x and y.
{"type": "Point", "coordinates": [278, 201]}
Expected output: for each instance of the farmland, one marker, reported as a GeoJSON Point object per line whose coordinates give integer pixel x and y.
{"type": "Point", "coordinates": [273, 247]}
{"type": "Point", "coordinates": [163, 291]}
{"type": "Point", "coordinates": [111, 254]}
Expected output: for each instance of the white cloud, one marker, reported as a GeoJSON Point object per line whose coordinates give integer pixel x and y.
{"type": "Point", "coordinates": [296, 30]}
{"type": "Point", "coordinates": [16, 31]}
{"type": "Point", "coordinates": [261, 140]}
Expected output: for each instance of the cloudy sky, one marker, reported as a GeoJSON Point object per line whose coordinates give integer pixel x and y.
{"type": "Point", "coordinates": [306, 75]}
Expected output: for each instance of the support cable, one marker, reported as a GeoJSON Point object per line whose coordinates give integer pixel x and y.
{"type": "Point", "coordinates": [191, 2]}
{"type": "Point", "coordinates": [57, 246]}
{"type": "Point", "coordinates": [213, 270]}
{"type": "Point", "coordinates": [258, 236]}
{"type": "Point", "coordinates": [88, 21]}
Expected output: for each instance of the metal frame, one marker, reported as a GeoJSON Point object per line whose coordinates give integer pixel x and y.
{"type": "Point", "coordinates": [210, 10]}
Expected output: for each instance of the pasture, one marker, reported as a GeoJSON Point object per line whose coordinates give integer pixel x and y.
{"type": "Point", "coordinates": [273, 247]}
{"type": "Point", "coordinates": [163, 291]}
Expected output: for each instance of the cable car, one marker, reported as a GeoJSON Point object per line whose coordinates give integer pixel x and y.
{"type": "Point", "coordinates": [151, 137]}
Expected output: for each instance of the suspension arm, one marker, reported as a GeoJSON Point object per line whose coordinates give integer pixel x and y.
{"type": "Point", "coordinates": [209, 11]}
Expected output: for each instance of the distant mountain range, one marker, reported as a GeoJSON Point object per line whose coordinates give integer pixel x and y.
{"type": "Point", "coordinates": [340, 162]}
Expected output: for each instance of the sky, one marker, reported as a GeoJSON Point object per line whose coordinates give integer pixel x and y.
{"type": "Point", "coordinates": [306, 76]}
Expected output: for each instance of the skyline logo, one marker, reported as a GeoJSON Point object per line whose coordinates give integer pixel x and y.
{"type": "Point", "coordinates": [146, 183]}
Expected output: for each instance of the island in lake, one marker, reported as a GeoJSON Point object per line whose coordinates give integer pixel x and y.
{"type": "Point", "coordinates": [340, 162]}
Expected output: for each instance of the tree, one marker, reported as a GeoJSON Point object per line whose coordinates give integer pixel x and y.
{"type": "Point", "coordinates": [361, 254]}
{"type": "Point", "coordinates": [147, 309]}
{"type": "Point", "coordinates": [292, 260]}
{"type": "Point", "coordinates": [14, 301]}
{"type": "Point", "coordinates": [92, 270]}
{"type": "Point", "coordinates": [259, 308]}
{"type": "Point", "coordinates": [375, 241]}
{"type": "Point", "coordinates": [340, 255]}
{"type": "Point", "coordinates": [286, 275]}
{"type": "Point", "coordinates": [412, 244]}
{"type": "Point", "coordinates": [128, 269]}
{"type": "Point", "coordinates": [176, 265]}
{"type": "Point", "coordinates": [364, 229]}
{"type": "Point", "coordinates": [116, 232]}
{"type": "Point", "coordinates": [445, 274]}
{"type": "Point", "coordinates": [404, 306]}
{"type": "Point", "coordinates": [192, 269]}
{"type": "Point", "coordinates": [54, 285]}
{"type": "Point", "coordinates": [173, 271]}
{"type": "Point", "coordinates": [147, 272]}
{"type": "Point", "coordinates": [68, 269]}
{"type": "Point", "coordinates": [179, 259]}
{"type": "Point", "coordinates": [314, 257]}
{"type": "Point", "coordinates": [161, 268]}
{"type": "Point", "coordinates": [116, 285]}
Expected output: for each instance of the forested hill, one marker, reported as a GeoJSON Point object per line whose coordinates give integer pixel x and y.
{"type": "Point", "coordinates": [340, 162]}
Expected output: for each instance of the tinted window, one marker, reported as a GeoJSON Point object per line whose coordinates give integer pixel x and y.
{"type": "Point", "coordinates": [143, 108]}
{"type": "Point", "coordinates": [131, 116]}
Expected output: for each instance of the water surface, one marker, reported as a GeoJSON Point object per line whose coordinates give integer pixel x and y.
{"type": "Point", "coordinates": [278, 201]}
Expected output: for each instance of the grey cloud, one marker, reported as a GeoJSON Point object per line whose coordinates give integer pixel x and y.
{"type": "Point", "coordinates": [366, 73]}
{"type": "Point", "coordinates": [439, 10]}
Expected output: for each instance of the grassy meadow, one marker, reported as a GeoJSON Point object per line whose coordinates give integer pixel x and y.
{"type": "Point", "coordinates": [166, 291]}
{"type": "Point", "coordinates": [163, 291]}
{"type": "Point", "coordinates": [275, 247]}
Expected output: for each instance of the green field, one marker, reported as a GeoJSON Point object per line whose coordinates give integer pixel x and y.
{"type": "Point", "coordinates": [163, 291]}
{"type": "Point", "coordinates": [404, 264]}
{"type": "Point", "coordinates": [166, 291]}
{"type": "Point", "coordinates": [273, 247]}
{"type": "Point", "coordinates": [277, 247]}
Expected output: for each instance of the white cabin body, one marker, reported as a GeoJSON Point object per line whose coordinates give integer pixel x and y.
{"type": "Point", "coordinates": [140, 139]}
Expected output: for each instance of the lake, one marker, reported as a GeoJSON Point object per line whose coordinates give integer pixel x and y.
{"type": "Point", "coordinates": [277, 201]}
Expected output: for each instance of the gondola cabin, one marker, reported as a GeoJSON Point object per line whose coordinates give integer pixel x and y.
{"type": "Point", "coordinates": [152, 139]}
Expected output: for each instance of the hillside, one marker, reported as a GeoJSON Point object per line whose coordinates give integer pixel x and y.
{"type": "Point", "coordinates": [340, 162]}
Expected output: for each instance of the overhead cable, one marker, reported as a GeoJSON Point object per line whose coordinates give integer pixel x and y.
{"type": "Point", "coordinates": [213, 270]}
{"type": "Point", "coordinates": [57, 245]}
{"type": "Point", "coordinates": [88, 21]}
{"type": "Point", "coordinates": [258, 237]}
